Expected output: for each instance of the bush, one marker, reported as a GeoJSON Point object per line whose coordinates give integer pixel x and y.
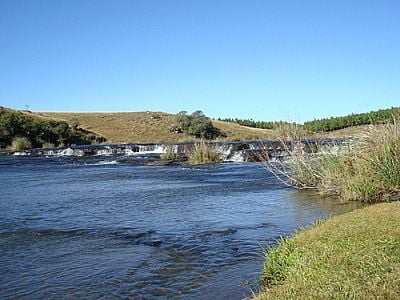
{"type": "Point", "coordinates": [197, 125]}
{"type": "Point", "coordinates": [21, 143]}
{"type": "Point", "coordinates": [204, 154]}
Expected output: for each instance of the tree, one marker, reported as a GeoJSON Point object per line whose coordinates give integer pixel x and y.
{"type": "Point", "coordinates": [197, 124]}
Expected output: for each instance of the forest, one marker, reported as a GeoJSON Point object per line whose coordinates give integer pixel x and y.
{"type": "Point", "coordinates": [335, 123]}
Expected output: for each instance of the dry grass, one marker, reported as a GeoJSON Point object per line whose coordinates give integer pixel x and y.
{"type": "Point", "coordinates": [367, 170]}
{"type": "Point", "coordinates": [145, 127]}
{"type": "Point", "coordinates": [352, 256]}
{"type": "Point", "coordinates": [203, 153]}
{"type": "Point", "coordinates": [131, 127]}
{"type": "Point", "coordinates": [236, 132]}
{"type": "Point", "coordinates": [354, 131]}
{"type": "Point", "coordinates": [170, 156]}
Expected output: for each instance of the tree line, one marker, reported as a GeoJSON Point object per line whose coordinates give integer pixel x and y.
{"type": "Point", "coordinates": [326, 124]}
{"type": "Point", "coordinates": [335, 123]}
{"type": "Point", "coordinates": [255, 124]}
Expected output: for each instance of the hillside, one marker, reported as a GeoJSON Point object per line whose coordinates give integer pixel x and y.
{"type": "Point", "coordinates": [130, 127]}
{"type": "Point", "coordinates": [148, 127]}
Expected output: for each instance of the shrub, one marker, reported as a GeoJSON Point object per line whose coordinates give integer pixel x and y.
{"type": "Point", "coordinates": [21, 143]}
{"type": "Point", "coordinates": [197, 125]}
{"type": "Point", "coordinates": [203, 153]}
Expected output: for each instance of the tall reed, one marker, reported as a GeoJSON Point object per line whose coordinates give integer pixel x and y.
{"type": "Point", "coordinates": [203, 153]}
{"type": "Point", "coordinates": [368, 171]}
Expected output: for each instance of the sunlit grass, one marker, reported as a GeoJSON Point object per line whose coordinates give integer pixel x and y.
{"type": "Point", "coordinates": [149, 127]}
{"type": "Point", "coordinates": [352, 256]}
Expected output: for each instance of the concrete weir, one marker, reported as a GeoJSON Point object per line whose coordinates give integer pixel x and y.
{"type": "Point", "coordinates": [240, 151]}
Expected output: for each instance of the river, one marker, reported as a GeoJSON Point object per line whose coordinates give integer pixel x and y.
{"type": "Point", "coordinates": [108, 228]}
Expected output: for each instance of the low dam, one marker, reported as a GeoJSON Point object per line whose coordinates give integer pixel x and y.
{"type": "Point", "coordinates": [240, 151]}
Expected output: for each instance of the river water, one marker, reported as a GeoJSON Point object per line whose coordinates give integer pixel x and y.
{"type": "Point", "coordinates": [108, 228]}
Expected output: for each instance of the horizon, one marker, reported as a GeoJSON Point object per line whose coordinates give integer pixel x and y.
{"type": "Point", "coordinates": [28, 109]}
{"type": "Point", "coordinates": [265, 61]}
{"type": "Point", "coordinates": [189, 112]}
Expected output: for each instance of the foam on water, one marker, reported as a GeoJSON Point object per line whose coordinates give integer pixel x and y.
{"type": "Point", "coordinates": [70, 152]}
{"type": "Point", "coordinates": [102, 163]}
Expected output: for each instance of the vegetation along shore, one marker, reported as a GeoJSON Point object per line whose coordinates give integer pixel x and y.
{"type": "Point", "coordinates": [352, 256]}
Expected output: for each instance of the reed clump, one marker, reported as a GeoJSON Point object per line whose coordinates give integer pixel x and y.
{"type": "Point", "coordinates": [368, 170]}
{"type": "Point", "coordinates": [203, 153]}
{"type": "Point", "coordinates": [170, 156]}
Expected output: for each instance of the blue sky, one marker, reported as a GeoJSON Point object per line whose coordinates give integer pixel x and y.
{"type": "Point", "coordinates": [267, 60]}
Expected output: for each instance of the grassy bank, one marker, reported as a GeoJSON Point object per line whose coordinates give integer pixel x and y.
{"type": "Point", "coordinates": [352, 256]}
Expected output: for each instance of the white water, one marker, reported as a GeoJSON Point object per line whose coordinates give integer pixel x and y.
{"type": "Point", "coordinates": [71, 152]}
{"type": "Point", "coordinates": [231, 152]}
{"type": "Point", "coordinates": [102, 163]}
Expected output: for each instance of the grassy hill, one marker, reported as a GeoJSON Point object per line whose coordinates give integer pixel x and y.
{"type": "Point", "coordinates": [147, 127]}
{"type": "Point", "coordinates": [126, 127]}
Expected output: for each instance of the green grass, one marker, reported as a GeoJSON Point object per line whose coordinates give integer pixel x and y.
{"type": "Point", "coordinates": [352, 256]}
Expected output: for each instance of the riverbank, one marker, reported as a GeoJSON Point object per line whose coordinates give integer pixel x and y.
{"type": "Point", "coordinates": [351, 256]}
